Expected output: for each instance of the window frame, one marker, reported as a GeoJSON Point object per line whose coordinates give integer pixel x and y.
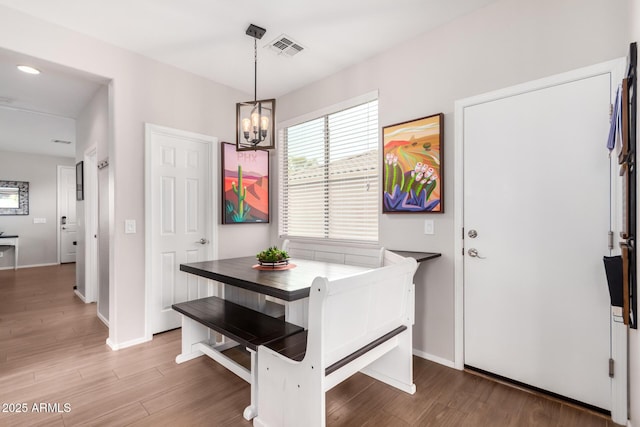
{"type": "Point", "coordinates": [324, 114]}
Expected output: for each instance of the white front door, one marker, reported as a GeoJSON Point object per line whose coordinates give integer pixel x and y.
{"type": "Point", "coordinates": [536, 217]}
{"type": "Point", "coordinates": [181, 220]}
{"type": "Point", "coordinates": [67, 221]}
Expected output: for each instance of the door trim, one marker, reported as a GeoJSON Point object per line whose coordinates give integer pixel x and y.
{"type": "Point", "coordinates": [58, 234]}
{"type": "Point", "coordinates": [91, 225]}
{"type": "Point", "coordinates": [616, 68]}
{"type": "Point", "coordinates": [212, 214]}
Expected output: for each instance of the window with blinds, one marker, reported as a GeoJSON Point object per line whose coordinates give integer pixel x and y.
{"type": "Point", "coordinates": [329, 176]}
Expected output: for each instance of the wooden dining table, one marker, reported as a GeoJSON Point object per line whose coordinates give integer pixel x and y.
{"type": "Point", "coordinates": [247, 285]}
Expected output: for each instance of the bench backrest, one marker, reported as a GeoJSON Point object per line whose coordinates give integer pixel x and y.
{"type": "Point", "coordinates": [349, 313]}
{"type": "Point", "coordinates": [351, 255]}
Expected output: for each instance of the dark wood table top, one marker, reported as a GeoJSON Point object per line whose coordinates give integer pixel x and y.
{"type": "Point", "coordinates": [288, 285]}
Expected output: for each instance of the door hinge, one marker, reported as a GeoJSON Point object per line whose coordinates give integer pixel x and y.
{"type": "Point", "coordinates": [610, 236]}
{"type": "Point", "coordinates": [610, 368]}
{"type": "Point", "coordinates": [462, 233]}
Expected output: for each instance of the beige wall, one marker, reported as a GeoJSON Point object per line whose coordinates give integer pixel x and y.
{"type": "Point", "coordinates": [38, 242]}
{"type": "Point", "coordinates": [505, 43]}
{"type": "Point", "coordinates": [142, 91]}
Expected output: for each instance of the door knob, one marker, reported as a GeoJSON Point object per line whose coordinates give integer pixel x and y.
{"type": "Point", "coordinates": [473, 234]}
{"type": "Point", "coordinates": [473, 253]}
{"type": "Point", "coordinates": [203, 241]}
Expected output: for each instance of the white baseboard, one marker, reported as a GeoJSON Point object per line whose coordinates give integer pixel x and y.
{"type": "Point", "coordinates": [105, 321]}
{"type": "Point", "coordinates": [629, 423]}
{"type": "Point", "coordinates": [79, 295]}
{"type": "Point", "coordinates": [20, 267]}
{"type": "Point", "coordinates": [131, 343]}
{"type": "Point", "coordinates": [436, 359]}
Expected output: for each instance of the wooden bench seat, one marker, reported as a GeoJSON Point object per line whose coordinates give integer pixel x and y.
{"type": "Point", "coordinates": [243, 325]}
{"type": "Point", "coordinates": [239, 325]}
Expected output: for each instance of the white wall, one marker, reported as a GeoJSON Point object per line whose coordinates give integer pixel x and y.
{"type": "Point", "coordinates": [634, 334]}
{"type": "Point", "coordinates": [38, 242]}
{"type": "Point", "coordinates": [92, 131]}
{"type": "Point", "coordinates": [505, 43]}
{"type": "Point", "coordinates": [141, 91]}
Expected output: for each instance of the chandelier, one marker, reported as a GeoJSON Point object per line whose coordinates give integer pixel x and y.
{"type": "Point", "coordinates": [255, 119]}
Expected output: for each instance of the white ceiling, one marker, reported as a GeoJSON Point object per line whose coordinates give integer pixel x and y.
{"type": "Point", "coordinates": [207, 37]}
{"type": "Point", "coordinates": [36, 109]}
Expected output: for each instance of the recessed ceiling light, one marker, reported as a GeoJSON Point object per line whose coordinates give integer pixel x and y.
{"type": "Point", "coordinates": [27, 69]}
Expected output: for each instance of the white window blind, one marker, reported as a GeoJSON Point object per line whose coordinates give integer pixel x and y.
{"type": "Point", "coordinates": [329, 176]}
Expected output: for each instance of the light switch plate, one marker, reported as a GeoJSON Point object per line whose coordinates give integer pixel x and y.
{"type": "Point", "coordinates": [129, 226]}
{"type": "Point", "coordinates": [39, 220]}
{"type": "Point", "coordinates": [429, 227]}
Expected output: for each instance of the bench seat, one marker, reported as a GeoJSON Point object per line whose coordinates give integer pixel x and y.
{"type": "Point", "coordinates": [359, 323]}
{"type": "Point", "coordinates": [243, 325]}
{"type": "Point", "coordinates": [239, 325]}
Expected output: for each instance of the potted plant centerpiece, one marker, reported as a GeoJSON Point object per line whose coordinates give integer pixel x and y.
{"type": "Point", "coordinates": [273, 257]}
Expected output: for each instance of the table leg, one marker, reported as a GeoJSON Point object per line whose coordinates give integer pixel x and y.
{"type": "Point", "coordinates": [192, 333]}
{"type": "Point", "coordinates": [297, 312]}
{"type": "Point", "coordinates": [246, 298]}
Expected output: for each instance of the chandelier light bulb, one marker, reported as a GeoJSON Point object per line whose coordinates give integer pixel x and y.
{"type": "Point", "coordinates": [246, 124]}
{"type": "Point", "coordinates": [255, 120]}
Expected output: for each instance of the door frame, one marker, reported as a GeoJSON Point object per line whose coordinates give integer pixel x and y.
{"type": "Point", "coordinates": [91, 224]}
{"type": "Point", "coordinates": [58, 234]}
{"type": "Point", "coordinates": [619, 341]}
{"type": "Point", "coordinates": [211, 213]}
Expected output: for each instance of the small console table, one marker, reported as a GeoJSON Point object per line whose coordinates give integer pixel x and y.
{"type": "Point", "coordinates": [6, 242]}
{"type": "Point", "coordinates": [419, 256]}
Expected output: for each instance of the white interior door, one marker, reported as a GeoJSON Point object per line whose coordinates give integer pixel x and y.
{"type": "Point", "coordinates": [181, 222]}
{"type": "Point", "coordinates": [67, 220]}
{"type": "Point", "coordinates": [536, 192]}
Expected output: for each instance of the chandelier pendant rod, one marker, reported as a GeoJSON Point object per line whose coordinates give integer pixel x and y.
{"type": "Point", "coordinates": [255, 70]}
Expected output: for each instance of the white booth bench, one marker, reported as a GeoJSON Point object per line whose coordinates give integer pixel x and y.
{"type": "Point", "coordinates": [359, 323]}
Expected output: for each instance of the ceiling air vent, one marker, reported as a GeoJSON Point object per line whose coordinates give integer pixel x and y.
{"type": "Point", "coordinates": [285, 45]}
{"type": "Point", "coordinates": [60, 141]}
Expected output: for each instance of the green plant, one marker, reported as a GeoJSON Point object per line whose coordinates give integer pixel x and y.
{"type": "Point", "coordinates": [272, 254]}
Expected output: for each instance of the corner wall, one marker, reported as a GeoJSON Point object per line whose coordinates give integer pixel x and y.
{"type": "Point", "coordinates": [38, 242]}
{"type": "Point", "coordinates": [506, 43]}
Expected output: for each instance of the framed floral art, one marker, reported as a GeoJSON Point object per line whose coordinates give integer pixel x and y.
{"type": "Point", "coordinates": [412, 166]}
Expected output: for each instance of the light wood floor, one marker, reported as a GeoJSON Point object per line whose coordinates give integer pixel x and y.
{"type": "Point", "coordinates": [52, 350]}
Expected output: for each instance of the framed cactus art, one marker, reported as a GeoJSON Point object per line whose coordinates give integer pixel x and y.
{"type": "Point", "coordinates": [245, 185]}
{"type": "Point", "coordinates": [412, 166]}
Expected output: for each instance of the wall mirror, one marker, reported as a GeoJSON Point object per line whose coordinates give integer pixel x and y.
{"type": "Point", "coordinates": [14, 198]}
